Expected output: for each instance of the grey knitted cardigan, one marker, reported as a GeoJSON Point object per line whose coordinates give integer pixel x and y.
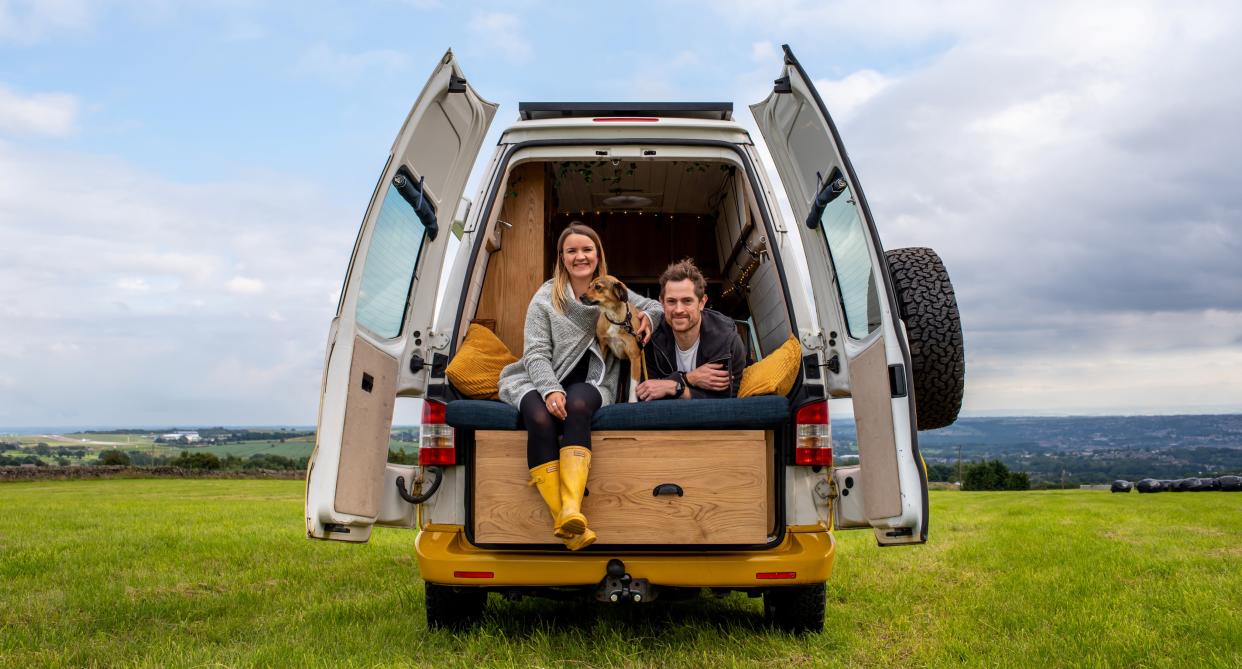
{"type": "Point", "coordinates": [555, 342]}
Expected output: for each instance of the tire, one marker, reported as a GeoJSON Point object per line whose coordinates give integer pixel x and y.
{"type": "Point", "coordinates": [453, 608]}
{"type": "Point", "coordinates": [797, 608]}
{"type": "Point", "coordinates": [928, 307]}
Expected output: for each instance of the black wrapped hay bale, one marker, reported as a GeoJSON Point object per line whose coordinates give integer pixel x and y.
{"type": "Point", "coordinates": [1150, 485]}
{"type": "Point", "coordinates": [1121, 486]}
{"type": "Point", "coordinates": [1229, 483]}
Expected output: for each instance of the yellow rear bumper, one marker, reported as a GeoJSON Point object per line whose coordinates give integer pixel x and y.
{"type": "Point", "coordinates": [445, 557]}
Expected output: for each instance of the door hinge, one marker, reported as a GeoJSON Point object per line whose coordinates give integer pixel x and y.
{"type": "Point", "coordinates": [437, 340]}
{"type": "Point", "coordinates": [814, 341]}
{"type": "Point", "coordinates": [782, 85]}
{"type": "Point", "coordinates": [456, 84]}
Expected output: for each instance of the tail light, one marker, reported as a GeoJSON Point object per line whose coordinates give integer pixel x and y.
{"type": "Point", "coordinates": [435, 442]}
{"type": "Point", "coordinates": [814, 446]}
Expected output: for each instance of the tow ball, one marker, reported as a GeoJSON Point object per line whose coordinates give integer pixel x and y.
{"type": "Point", "coordinates": [618, 586]}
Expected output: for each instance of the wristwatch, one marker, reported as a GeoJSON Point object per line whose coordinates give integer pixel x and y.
{"type": "Point", "coordinates": [681, 385]}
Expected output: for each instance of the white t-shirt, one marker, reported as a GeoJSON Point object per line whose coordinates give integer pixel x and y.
{"type": "Point", "coordinates": [685, 359]}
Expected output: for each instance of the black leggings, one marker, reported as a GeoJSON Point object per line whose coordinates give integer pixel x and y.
{"type": "Point", "coordinates": [582, 400]}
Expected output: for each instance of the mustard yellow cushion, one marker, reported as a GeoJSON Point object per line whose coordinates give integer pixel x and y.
{"type": "Point", "coordinates": [475, 370]}
{"type": "Point", "coordinates": [775, 374]}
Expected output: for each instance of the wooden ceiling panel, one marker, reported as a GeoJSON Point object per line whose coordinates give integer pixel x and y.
{"type": "Point", "coordinates": [673, 186]}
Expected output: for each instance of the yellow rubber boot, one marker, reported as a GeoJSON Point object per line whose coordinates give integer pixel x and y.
{"type": "Point", "coordinates": [548, 482]}
{"type": "Point", "coordinates": [575, 467]}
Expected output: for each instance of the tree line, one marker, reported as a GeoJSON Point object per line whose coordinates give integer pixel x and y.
{"type": "Point", "coordinates": [980, 475]}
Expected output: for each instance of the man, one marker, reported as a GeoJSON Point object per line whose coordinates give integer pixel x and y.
{"type": "Point", "coordinates": [695, 352]}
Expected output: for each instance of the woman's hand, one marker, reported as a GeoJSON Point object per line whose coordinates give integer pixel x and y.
{"type": "Point", "coordinates": [555, 402]}
{"type": "Point", "coordinates": [642, 326]}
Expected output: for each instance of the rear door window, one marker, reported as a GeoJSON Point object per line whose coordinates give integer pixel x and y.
{"type": "Point", "coordinates": [388, 272]}
{"type": "Point", "coordinates": [846, 237]}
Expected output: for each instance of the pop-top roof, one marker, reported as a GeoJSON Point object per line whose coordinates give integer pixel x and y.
{"type": "Point", "coordinates": [713, 111]}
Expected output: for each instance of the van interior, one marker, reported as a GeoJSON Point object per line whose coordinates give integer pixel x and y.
{"type": "Point", "coordinates": [648, 214]}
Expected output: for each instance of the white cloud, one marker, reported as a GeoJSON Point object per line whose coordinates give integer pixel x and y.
{"type": "Point", "coordinates": [138, 273]}
{"type": "Point", "coordinates": [763, 52]}
{"type": "Point", "coordinates": [241, 285]}
{"type": "Point", "coordinates": [845, 96]}
{"type": "Point", "coordinates": [504, 33]}
{"type": "Point", "coordinates": [30, 21]}
{"type": "Point", "coordinates": [1073, 165]}
{"type": "Point", "coordinates": [325, 62]}
{"type": "Point", "coordinates": [52, 114]}
{"type": "Point", "coordinates": [685, 59]}
{"type": "Point", "coordinates": [133, 284]}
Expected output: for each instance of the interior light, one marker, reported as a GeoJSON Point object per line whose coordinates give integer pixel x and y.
{"type": "Point", "coordinates": [627, 201]}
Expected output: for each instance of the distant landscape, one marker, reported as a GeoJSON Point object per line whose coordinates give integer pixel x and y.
{"type": "Point", "coordinates": [1053, 451]}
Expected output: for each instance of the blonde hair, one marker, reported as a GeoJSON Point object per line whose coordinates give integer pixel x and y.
{"type": "Point", "coordinates": [560, 276]}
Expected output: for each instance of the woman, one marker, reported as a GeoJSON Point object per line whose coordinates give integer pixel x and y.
{"type": "Point", "coordinates": [563, 379]}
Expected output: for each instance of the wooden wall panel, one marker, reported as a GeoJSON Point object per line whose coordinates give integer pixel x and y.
{"type": "Point", "coordinates": [514, 272]}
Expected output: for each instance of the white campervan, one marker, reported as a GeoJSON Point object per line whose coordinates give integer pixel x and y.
{"type": "Point", "coordinates": [733, 494]}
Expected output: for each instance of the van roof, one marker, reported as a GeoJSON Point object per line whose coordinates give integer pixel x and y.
{"type": "Point", "coordinates": [714, 111]}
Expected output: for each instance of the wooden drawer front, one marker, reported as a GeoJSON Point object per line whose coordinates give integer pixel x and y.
{"type": "Point", "coordinates": [723, 474]}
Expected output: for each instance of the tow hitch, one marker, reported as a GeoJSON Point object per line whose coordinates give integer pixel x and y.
{"type": "Point", "coordinates": [618, 586]}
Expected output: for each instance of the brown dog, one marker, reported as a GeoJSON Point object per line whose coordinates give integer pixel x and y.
{"type": "Point", "coordinates": [615, 327]}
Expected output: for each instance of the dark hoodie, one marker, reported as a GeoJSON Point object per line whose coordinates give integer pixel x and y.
{"type": "Point", "coordinates": [718, 342]}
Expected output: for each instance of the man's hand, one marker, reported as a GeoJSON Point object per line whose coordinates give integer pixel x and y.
{"type": "Point", "coordinates": [642, 326]}
{"type": "Point", "coordinates": [711, 376]}
{"type": "Point", "coordinates": [654, 389]}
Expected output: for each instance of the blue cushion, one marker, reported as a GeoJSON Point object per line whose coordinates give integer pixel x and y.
{"type": "Point", "coordinates": [481, 415]}
{"type": "Point", "coordinates": [745, 413]}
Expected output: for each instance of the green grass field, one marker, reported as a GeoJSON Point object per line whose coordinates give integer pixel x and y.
{"type": "Point", "coordinates": [300, 447]}
{"type": "Point", "coordinates": [217, 573]}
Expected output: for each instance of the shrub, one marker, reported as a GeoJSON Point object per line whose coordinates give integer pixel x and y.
{"type": "Point", "coordinates": [114, 458]}
{"type": "Point", "coordinates": [268, 461]}
{"type": "Point", "coordinates": [993, 475]}
{"type": "Point", "coordinates": [196, 461]}
{"type": "Point", "coordinates": [941, 472]}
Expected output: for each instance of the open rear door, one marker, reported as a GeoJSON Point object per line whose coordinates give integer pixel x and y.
{"type": "Point", "coordinates": [376, 347]}
{"type": "Point", "coordinates": [862, 340]}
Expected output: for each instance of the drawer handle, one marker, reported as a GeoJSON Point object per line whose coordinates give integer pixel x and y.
{"type": "Point", "coordinates": [668, 489]}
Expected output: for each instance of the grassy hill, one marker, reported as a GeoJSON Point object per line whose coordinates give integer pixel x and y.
{"type": "Point", "coordinates": [193, 573]}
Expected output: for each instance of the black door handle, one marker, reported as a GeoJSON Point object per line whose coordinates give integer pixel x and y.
{"type": "Point", "coordinates": [668, 489]}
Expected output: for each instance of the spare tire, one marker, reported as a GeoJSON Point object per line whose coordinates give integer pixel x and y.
{"type": "Point", "coordinates": [928, 307]}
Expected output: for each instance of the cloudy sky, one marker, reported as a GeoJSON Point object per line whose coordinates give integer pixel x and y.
{"type": "Point", "coordinates": [180, 187]}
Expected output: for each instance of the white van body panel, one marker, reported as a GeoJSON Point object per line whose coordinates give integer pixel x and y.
{"type": "Point", "coordinates": [348, 487]}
